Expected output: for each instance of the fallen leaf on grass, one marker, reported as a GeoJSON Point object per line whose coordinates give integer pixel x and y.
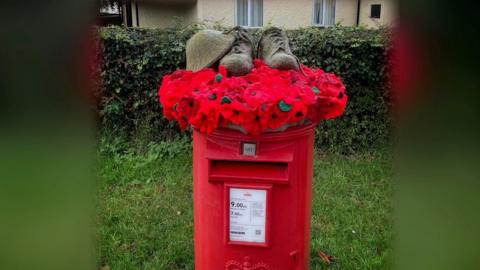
{"type": "Point", "coordinates": [106, 267]}
{"type": "Point", "coordinates": [160, 189]}
{"type": "Point", "coordinates": [328, 259]}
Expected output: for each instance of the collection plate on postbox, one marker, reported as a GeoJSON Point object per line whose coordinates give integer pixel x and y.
{"type": "Point", "coordinates": [249, 149]}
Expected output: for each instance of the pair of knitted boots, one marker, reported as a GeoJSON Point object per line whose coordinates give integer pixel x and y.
{"type": "Point", "coordinates": [235, 51]}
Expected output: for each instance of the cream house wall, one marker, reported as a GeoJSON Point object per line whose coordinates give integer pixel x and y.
{"type": "Point", "coordinates": [288, 13]}
{"type": "Point", "coordinates": [191, 13]}
{"type": "Point", "coordinates": [162, 15]}
{"type": "Point", "coordinates": [299, 13]}
{"type": "Point", "coordinates": [222, 11]}
{"type": "Point", "coordinates": [388, 13]}
{"type": "Point", "coordinates": [346, 12]}
{"type": "Point", "coordinates": [276, 12]}
{"type": "Point", "coordinates": [284, 13]}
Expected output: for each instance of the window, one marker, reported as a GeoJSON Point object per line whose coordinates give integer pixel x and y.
{"type": "Point", "coordinates": [324, 12]}
{"type": "Point", "coordinates": [250, 13]}
{"type": "Point", "coordinates": [110, 14]}
{"type": "Point", "coordinates": [376, 11]}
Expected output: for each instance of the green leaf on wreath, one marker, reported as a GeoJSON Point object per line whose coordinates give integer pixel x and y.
{"type": "Point", "coordinates": [218, 77]}
{"type": "Point", "coordinates": [225, 100]}
{"type": "Point", "coordinates": [284, 107]}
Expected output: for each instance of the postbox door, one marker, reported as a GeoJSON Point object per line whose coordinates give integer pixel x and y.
{"type": "Point", "coordinates": [261, 206]}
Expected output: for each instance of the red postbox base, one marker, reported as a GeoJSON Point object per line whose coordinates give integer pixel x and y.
{"type": "Point", "coordinates": [252, 199]}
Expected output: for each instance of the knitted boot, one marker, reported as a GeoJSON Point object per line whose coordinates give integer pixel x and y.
{"type": "Point", "coordinates": [239, 61]}
{"type": "Point", "coordinates": [274, 49]}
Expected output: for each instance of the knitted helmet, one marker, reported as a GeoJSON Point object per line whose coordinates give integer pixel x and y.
{"type": "Point", "coordinates": [207, 47]}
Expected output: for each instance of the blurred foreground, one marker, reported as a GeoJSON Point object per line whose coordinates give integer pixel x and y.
{"type": "Point", "coordinates": [46, 139]}
{"type": "Point", "coordinates": [437, 202]}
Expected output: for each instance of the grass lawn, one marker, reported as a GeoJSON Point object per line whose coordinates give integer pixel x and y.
{"type": "Point", "coordinates": [145, 217]}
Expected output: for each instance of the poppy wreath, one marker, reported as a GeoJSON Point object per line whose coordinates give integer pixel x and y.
{"type": "Point", "coordinates": [264, 100]}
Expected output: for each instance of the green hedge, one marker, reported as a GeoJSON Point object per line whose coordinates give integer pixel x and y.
{"type": "Point", "coordinates": [134, 61]}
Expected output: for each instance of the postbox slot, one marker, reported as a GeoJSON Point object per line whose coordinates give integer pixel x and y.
{"type": "Point", "coordinates": [224, 170]}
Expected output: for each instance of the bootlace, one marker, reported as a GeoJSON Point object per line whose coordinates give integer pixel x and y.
{"type": "Point", "coordinates": [278, 39]}
{"type": "Point", "coordinates": [241, 37]}
{"type": "Point", "coordinates": [280, 42]}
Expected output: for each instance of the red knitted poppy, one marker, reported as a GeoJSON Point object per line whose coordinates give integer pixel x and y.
{"type": "Point", "coordinates": [263, 100]}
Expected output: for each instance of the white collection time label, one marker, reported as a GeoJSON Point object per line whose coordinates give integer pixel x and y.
{"type": "Point", "coordinates": [248, 208]}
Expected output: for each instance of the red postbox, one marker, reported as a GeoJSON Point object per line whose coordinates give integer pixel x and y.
{"type": "Point", "coordinates": [252, 199]}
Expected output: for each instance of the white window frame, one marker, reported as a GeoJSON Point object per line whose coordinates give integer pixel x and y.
{"type": "Point", "coordinates": [249, 12]}
{"type": "Point", "coordinates": [324, 11]}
